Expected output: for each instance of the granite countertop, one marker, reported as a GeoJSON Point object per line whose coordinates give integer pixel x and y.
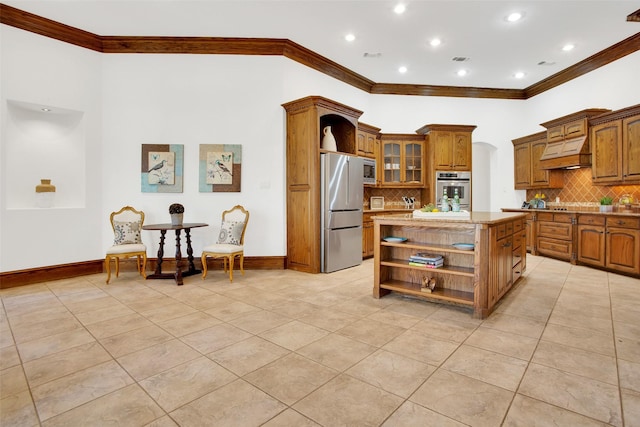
{"type": "Point", "coordinates": [475, 217]}
{"type": "Point", "coordinates": [386, 210]}
{"type": "Point", "coordinates": [634, 211]}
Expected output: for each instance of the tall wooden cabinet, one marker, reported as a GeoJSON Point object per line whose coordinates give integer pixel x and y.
{"type": "Point", "coordinates": [448, 149]}
{"type": "Point", "coordinates": [616, 147]}
{"type": "Point", "coordinates": [526, 162]}
{"type": "Point", "coordinates": [306, 118]}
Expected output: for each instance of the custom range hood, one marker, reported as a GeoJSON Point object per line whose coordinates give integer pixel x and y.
{"type": "Point", "coordinates": [568, 154]}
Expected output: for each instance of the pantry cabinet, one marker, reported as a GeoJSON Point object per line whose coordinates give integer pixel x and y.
{"type": "Point", "coordinates": [306, 118]}
{"type": "Point", "coordinates": [402, 160]}
{"type": "Point", "coordinates": [528, 173]}
{"type": "Point", "coordinates": [616, 147]}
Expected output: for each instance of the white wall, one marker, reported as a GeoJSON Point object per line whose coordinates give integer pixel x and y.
{"type": "Point", "coordinates": [129, 100]}
{"type": "Point", "coordinates": [38, 70]}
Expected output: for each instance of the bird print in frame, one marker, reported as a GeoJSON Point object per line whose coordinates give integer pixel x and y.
{"type": "Point", "coordinates": [219, 168]}
{"type": "Point", "coordinates": [161, 168]}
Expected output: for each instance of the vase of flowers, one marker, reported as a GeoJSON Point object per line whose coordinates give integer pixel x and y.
{"type": "Point", "coordinates": [176, 210]}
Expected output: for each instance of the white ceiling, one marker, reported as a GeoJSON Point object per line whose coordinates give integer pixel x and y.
{"type": "Point", "coordinates": [475, 29]}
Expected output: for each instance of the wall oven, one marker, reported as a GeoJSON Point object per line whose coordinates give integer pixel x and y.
{"type": "Point", "coordinates": [451, 181]}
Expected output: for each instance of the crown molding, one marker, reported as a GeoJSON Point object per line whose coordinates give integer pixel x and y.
{"type": "Point", "coordinates": [282, 47]}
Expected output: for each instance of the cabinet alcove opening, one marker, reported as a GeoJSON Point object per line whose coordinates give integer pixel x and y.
{"type": "Point", "coordinates": [342, 129]}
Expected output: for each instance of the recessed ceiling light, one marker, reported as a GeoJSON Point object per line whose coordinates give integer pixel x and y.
{"type": "Point", "coordinates": [514, 17]}
{"type": "Point", "coordinates": [399, 9]}
{"type": "Point", "coordinates": [45, 109]}
{"type": "Point", "coordinates": [402, 69]}
{"type": "Point", "coordinates": [350, 37]}
{"type": "Point", "coordinates": [519, 75]}
{"type": "Point", "coordinates": [461, 73]}
{"type": "Point", "coordinates": [568, 47]}
{"type": "Point", "coordinates": [435, 42]}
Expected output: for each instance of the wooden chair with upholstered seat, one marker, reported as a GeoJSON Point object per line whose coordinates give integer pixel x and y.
{"type": "Point", "coordinates": [127, 242]}
{"type": "Point", "coordinates": [230, 242]}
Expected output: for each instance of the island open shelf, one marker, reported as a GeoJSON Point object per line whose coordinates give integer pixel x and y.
{"type": "Point", "coordinates": [475, 278]}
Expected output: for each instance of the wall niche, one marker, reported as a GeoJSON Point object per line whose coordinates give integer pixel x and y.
{"type": "Point", "coordinates": [44, 142]}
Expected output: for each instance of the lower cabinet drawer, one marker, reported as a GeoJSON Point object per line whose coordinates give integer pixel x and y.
{"type": "Point", "coordinates": [555, 230]}
{"type": "Point", "coordinates": [555, 247]}
{"type": "Point", "coordinates": [517, 272]}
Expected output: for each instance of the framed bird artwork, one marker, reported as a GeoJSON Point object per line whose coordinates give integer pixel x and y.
{"type": "Point", "coordinates": [220, 167]}
{"type": "Point", "coordinates": [162, 168]}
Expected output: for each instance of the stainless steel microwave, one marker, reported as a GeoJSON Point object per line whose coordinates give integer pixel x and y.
{"type": "Point", "coordinates": [369, 177]}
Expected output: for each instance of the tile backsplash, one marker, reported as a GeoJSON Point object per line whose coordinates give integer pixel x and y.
{"type": "Point", "coordinates": [392, 196]}
{"type": "Point", "coordinates": [578, 188]}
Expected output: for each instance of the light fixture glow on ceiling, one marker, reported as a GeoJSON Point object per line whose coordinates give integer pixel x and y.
{"type": "Point", "coordinates": [45, 109]}
{"type": "Point", "coordinates": [399, 9]}
{"type": "Point", "coordinates": [514, 17]}
{"type": "Point", "coordinates": [518, 75]}
{"type": "Point", "coordinates": [435, 42]}
{"type": "Point", "coordinates": [402, 69]}
{"type": "Point", "coordinates": [350, 37]}
{"type": "Point", "coordinates": [568, 47]}
{"type": "Point", "coordinates": [461, 73]}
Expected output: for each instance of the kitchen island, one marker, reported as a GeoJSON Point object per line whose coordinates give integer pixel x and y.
{"type": "Point", "coordinates": [472, 276]}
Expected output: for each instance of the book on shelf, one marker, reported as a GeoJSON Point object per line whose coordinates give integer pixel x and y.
{"type": "Point", "coordinates": [422, 264]}
{"type": "Point", "coordinates": [425, 261]}
{"type": "Point", "coordinates": [425, 256]}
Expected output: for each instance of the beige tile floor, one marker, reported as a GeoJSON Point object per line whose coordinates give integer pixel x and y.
{"type": "Point", "coordinates": [283, 348]}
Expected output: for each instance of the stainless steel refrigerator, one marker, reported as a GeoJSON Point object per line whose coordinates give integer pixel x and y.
{"type": "Point", "coordinates": [342, 191]}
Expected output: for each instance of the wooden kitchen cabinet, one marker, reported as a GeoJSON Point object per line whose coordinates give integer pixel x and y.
{"type": "Point", "coordinates": [623, 244]}
{"type": "Point", "coordinates": [306, 118]}
{"type": "Point", "coordinates": [567, 130]}
{"type": "Point", "coordinates": [526, 160]}
{"type": "Point", "coordinates": [449, 146]}
{"type": "Point", "coordinates": [555, 235]}
{"type": "Point", "coordinates": [612, 242]}
{"type": "Point", "coordinates": [591, 239]}
{"type": "Point", "coordinates": [402, 160]}
{"type": "Point", "coordinates": [367, 140]}
{"type": "Point", "coordinates": [448, 149]}
{"type": "Point", "coordinates": [616, 147]}
{"type": "Point", "coordinates": [367, 235]}
{"type": "Point", "coordinates": [507, 242]}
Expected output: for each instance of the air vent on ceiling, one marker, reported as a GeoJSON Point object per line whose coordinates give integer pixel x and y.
{"type": "Point", "coordinates": [372, 55]}
{"type": "Point", "coordinates": [459, 58]}
{"type": "Point", "coordinates": [546, 63]}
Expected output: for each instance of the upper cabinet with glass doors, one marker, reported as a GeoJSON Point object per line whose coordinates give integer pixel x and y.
{"type": "Point", "coordinates": [402, 160]}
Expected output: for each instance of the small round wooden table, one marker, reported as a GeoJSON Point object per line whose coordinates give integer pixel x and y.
{"type": "Point", "coordinates": [179, 274]}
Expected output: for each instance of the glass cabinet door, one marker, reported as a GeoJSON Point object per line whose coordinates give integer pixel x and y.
{"type": "Point", "coordinates": [413, 163]}
{"type": "Point", "coordinates": [391, 162]}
